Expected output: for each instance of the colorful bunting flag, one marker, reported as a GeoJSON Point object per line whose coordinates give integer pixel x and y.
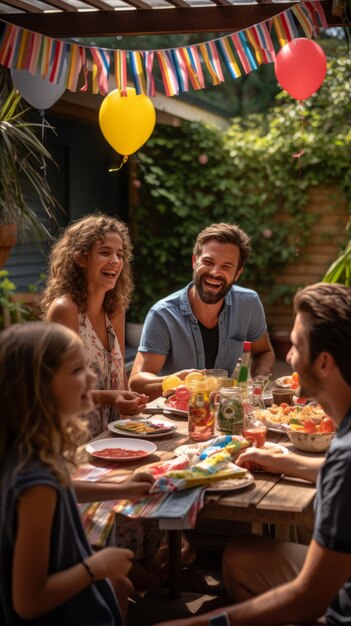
{"type": "Point", "coordinates": [180, 67]}
{"type": "Point", "coordinates": [148, 64]}
{"type": "Point", "coordinates": [121, 71]}
{"type": "Point", "coordinates": [101, 66]}
{"type": "Point", "coordinates": [137, 70]}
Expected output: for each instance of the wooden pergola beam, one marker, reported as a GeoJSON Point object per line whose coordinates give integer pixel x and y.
{"type": "Point", "coordinates": [155, 21]}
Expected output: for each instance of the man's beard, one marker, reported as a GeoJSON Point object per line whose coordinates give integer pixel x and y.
{"type": "Point", "coordinates": [309, 385]}
{"type": "Point", "coordinates": [210, 298]}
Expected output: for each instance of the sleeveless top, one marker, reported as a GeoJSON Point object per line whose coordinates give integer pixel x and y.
{"type": "Point", "coordinates": [106, 365]}
{"type": "Point", "coordinates": [97, 603]}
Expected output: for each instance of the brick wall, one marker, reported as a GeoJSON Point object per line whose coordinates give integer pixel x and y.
{"type": "Point", "coordinates": [329, 206]}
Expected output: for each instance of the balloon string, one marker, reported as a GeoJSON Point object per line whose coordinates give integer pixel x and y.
{"type": "Point", "coordinates": [117, 168]}
{"type": "Point", "coordinates": [42, 115]}
{"type": "Point", "coordinates": [301, 152]}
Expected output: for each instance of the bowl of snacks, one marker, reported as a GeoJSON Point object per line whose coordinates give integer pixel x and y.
{"type": "Point", "coordinates": [309, 436]}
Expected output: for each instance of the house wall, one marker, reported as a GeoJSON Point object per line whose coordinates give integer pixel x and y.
{"type": "Point", "coordinates": [81, 184]}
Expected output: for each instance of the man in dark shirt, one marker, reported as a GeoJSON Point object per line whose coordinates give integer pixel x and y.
{"type": "Point", "coordinates": [283, 583]}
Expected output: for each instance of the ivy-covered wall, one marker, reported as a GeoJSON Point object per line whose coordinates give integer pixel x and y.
{"type": "Point", "coordinates": [259, 173]}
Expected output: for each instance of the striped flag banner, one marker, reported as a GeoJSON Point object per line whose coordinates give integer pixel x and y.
{"type": "Point", "coordinates": [29, 51]}
{"type": "Point", "coordinates": [7, 39]}
{"type": "Point", "coordinates": [136, 67]}
{"type": "Point", "coordinates": [121, 71]}
{"type": "Point", "coordinates": [180, 68]}
{"type": "Point", "coordinates": [193, 66]}
{"type": "Point", "coordinates": [168, 73]}
{"type": "Point", "coordinates": [22, 50]}
{"type": "Point", "coordinates": [262, 36]}
{"type": "Point", "coordinates": [303, 17]}
{"type": "Point", "coordinates": [46, 56]}
{"type": "Point", "coordinates": [243, 49]}
{"type": "Point", "coordinates": [101, 66]}
{"type": "Point", "coordinates": [210, 56]}
{"type": "Point", "coordinates": [16, 46]}
{"type": "Point", "coordinates": [148, 56]}
{"type": "Point", "coordinates": [35, 55]}
{"type": "Point", "coordinates": [229, 58]}
{"type": "Point", "coordinates": [83, 56]}
{"type": "Point", "coordinates": [57, 65]}
{"type": "Point", "coordinates": [317, 12]}
{"type": "Point", "coordinates": [284, 28]}
{"type": "Point", "coordinates": [255, 46]}
{"type": "Point", "coordinates": [74, 67]}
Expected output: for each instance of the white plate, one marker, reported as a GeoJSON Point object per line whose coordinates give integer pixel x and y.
{"type": "Point", "coordinates": [276, 447]}
{"type": "Point", "coordinates": [232, 484]}
{"type": "Point", "coordinates": [160, 404]}
{"type": "Point", "coordinates": [283, 381]}
{"type": "Point", "coordinates": [166, 408]}
{"type": "Point", "coordinates": [147, 447]}
{"type": "Point", "coordinates": [167, 428]}
{"type": "Point", "coordinates": [276, 427]}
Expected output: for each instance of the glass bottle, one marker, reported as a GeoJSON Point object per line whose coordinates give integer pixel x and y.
{"type": "Point", "coordinates": [244, 372]}
{"type": "Point", "coordinates": [201, 416]}
{"type": "Point", "coordinates": [236, 370]}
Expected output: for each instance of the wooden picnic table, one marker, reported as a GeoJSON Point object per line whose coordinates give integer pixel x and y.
{"type": "Point", "coordinates": [272, 499]}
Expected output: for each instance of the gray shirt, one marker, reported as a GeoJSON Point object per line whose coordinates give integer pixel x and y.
{"type": "Point", "coordinates": [332, 528]}
{"type": "Point", "coordinates": [172, 329]}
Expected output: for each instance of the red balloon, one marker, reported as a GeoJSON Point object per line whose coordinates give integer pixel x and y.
{"type": "Point", "coordinates": [300, 68]}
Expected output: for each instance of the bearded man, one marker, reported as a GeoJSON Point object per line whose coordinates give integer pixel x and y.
{"type": "Point", "coordinates": [204, 325]}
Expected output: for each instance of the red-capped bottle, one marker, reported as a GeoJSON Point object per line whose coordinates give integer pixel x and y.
{"type": "Point", "coordinates": [244, 372]}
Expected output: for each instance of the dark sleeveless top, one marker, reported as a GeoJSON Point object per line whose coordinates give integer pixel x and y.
{"type": "Point", "coordinates": [95, 605]}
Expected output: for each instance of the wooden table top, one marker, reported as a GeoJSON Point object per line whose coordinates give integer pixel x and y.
{"type": "Point", "coordinates": [272, 498]}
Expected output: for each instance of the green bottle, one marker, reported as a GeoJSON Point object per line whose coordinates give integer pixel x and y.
{"type": "Point", "coordinates": [244, 372]}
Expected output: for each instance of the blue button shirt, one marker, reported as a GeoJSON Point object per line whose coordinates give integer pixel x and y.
{"type": "Point", "coordinates": [172, 329]}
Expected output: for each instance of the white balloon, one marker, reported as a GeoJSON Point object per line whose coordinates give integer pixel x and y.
{"type": "Point", "coordinates": [38, 91]}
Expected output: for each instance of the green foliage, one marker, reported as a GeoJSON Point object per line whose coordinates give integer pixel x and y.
{"type": "Point", "coordinates": [34, 287]}
{"type": "Point", "coordinates": [340, 269]}
{"type": "Point", "coordinates": [22, 155]}
{"type": "Point", "coordinates": [194, 175]}
{"type": "Point", "coordinates": [15, 311]}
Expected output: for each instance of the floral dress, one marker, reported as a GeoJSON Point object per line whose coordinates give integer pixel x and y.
{"type": "Point", "coordinates": [142, 536]}
{"type": "Point", "coordinates": [108, 367]}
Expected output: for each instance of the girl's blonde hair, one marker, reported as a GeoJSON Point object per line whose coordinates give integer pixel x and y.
{"type": "Point", "coordinates": [65, 274]}
{"type": "Point", "coordinates": [30, 355]}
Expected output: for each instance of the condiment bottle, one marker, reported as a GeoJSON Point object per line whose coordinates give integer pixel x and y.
{"type": "Point", "coordinates": [244, 372]}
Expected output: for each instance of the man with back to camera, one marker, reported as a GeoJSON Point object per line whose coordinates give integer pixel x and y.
{"type": "Point", "coordinates": [204, 325]}
{"type": "Point", "coordinates": [284, 583]}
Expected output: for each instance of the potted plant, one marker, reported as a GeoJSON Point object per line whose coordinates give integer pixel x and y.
{"type": "Point", "coordinates": [22, 171]}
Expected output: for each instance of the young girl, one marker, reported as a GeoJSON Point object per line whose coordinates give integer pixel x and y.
{"type": "Point", "coordinates": [48, 573]}
{"type": "Point", "coordinates": [88, 289]}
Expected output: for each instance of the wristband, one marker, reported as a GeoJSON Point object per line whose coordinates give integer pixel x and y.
{"type": "Point", "coordinates": [90, 571]}
{"type": "Point", "coordinates": [219, 620]}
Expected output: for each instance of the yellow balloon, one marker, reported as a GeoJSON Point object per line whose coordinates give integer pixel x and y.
{"type": "Point", "coordinates": [126, 122]}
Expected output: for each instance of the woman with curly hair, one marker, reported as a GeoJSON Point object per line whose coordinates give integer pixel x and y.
{"type": "Point", "coordinates": [88, 289]}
